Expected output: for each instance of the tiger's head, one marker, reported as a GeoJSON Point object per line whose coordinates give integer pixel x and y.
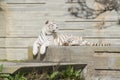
{"type": "Point", "coordinates": [50, 27]}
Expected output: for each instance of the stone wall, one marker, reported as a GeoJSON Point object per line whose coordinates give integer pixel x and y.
{"type": "Point", "coordinates": [102, 63]}
{"type": "Point", "coordinates": [22, 20]}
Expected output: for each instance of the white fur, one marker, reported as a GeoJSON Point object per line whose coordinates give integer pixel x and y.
{"type": "Point", "coordinates": [45, 38]}
{"type": "Point", "coordinates": [35, 47]}
{"type": "Point", "coordinates": [49, 36]}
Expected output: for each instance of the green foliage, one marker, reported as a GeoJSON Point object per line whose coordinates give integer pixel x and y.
{"type": "Point", "coordinates": [71, 74]}
{"type": "Point", "coordinates": [9, 77]}
{"type": "Point", "coordinates": [18, 77]}
{"type": "Point", "coordinates": [67, 74]}
{"type": "Point", "coordinates": [5, 76]}
{"type": "Point", "coordinates": [53, 75]}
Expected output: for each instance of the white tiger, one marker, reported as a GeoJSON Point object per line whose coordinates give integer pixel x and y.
{"type": "Point", "coordinates": [45, 38]}
{"type": "Point", "coordinates": [49, 35]}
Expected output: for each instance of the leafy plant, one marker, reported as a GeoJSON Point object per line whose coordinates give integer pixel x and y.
{"type": "Point", "coordinates": [54, 75]}
{"type": "Point", "coordinates": [71, 74]}
{"type": "Point", "coordinates": [67, 74]}
{"type": "Point", "coordinates": [5, 76]}
{"type": "Point", "coordinates": [9, 77]}
{"type": "Point", "coordinates": [19, 76]}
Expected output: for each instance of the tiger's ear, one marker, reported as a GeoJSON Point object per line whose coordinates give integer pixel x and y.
{"type": "Point", "coordinates": [47, 22]}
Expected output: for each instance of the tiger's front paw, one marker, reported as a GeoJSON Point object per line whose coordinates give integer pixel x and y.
{"type": "Point", "coordinates": [35, 52]}
{"type": "Point", "coordinates": [42, 50]}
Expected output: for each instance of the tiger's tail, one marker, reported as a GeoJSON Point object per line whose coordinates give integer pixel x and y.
{"type": "Point", "coordinates": [95, 44]}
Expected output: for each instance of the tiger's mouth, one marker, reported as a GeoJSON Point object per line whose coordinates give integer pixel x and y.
{"type": "Point", "coordinates": [54, 31]}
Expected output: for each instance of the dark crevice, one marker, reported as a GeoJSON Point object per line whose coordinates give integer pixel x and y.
{"type": "Point", "coordinates": [106, 51]}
